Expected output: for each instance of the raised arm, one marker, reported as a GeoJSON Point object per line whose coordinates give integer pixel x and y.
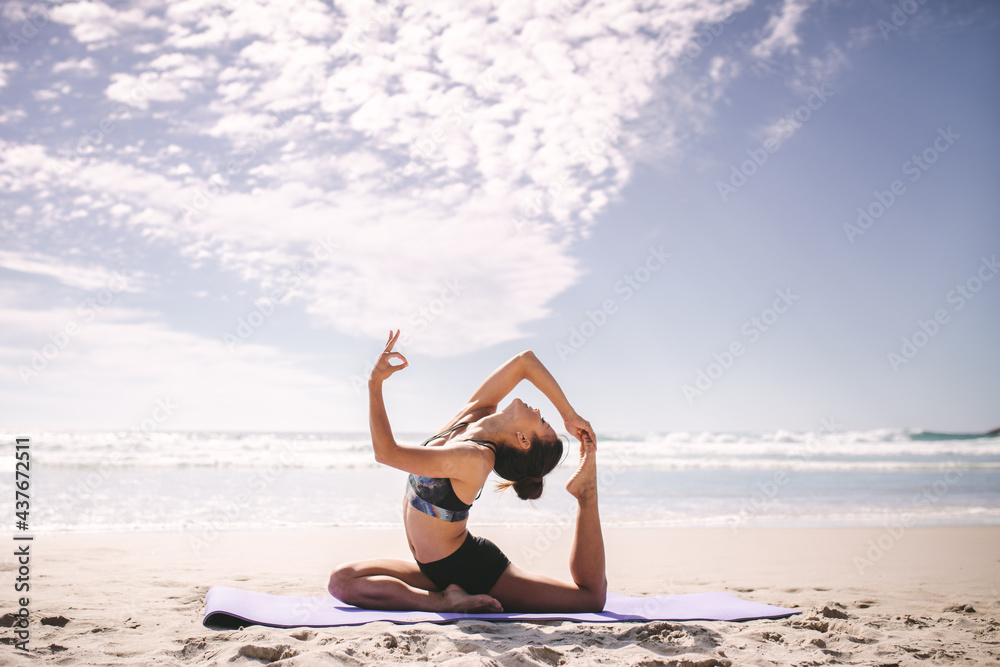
{"type": "Point", "coordinates": [457, 461]}
{"type": "Point", "coordinates": [383, 441]}
{"type": "Point", "coordinates": [501, 382]}
{"type": "Point", "coordinates": [539, 376]}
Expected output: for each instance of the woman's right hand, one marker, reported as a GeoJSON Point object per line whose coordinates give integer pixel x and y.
{"type": "Point", "coordinates": [383, 366]}
{"type": "Point", "coordinates": [580, 427]}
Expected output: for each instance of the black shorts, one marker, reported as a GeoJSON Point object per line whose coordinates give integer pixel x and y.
{"type": "Point", "coordinates": [475, 566]}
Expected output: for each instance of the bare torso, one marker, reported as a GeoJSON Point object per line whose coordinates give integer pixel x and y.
{"type": "Point", "coordinates": [430, 538]}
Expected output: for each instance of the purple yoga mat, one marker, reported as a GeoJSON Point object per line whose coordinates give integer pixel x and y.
{"type": "Point", "coordinates": [233, 607]}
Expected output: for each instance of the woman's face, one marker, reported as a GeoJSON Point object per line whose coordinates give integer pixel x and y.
{"type": "Point", "coordinates": [529, 420]}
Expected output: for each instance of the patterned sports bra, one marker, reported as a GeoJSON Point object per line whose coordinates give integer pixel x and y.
{"type": "Point", "coordinates": [434, 495]}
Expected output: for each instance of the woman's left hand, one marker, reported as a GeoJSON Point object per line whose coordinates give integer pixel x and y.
{"type": "Point", "coordinates": [578, 427]}
{"type": "Point", "coordinates": [383, 367]}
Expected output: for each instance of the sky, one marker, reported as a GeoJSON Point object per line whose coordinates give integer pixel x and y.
{"type": "Point", "coordinates": [700, 216]}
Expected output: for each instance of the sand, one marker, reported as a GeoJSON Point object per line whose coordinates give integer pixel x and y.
{"type": "Point", "coordinates": [868, 596]}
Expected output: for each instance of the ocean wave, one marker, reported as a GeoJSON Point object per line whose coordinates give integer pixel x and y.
{"type": "Point", "coordinates": [881, 449]}
{"type": "Point", "coordinates": [936, 436]}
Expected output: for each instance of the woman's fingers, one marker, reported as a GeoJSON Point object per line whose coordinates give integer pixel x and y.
{"type": "Point", "coordinates": [383, 365]}
{"type": "Point", "coordinates": [392, 340]}
{"type": "Point", "coordinates": [579, 426]}
{"type": "Point", "coordinates": [385, 361]}
{"type": "Point", "coordinates": [582, 428]}
{"type": "Point", "coordinates": [393, 337]}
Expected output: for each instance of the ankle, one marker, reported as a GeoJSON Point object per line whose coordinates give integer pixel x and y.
{"type": "Point", "coordinates": [587, 496]}
{"type": "Point", "coordinates": [437, 601]}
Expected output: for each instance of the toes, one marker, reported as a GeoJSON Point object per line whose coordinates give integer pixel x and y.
{"type": "Point", "coordinates": [492, 604]}
{"type": "Point", "coordinates": [486, 603]}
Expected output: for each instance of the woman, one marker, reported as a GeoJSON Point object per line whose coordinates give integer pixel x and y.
{"type": "Point", "coordinates": [455, 571]}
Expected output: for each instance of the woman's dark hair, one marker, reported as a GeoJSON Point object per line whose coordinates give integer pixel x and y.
{"type": "Point", "coordinates": [524, 470]}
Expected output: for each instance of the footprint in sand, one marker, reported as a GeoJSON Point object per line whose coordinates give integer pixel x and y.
{"type": "Point", "coordinates": [534, 655]}
{"type": "Point", "coordinates": [833, 612]}
{"type": "Point", "coordinates": [268, 653]}
{"type": "Point", "coordinates": [811, 623]}
{"type": "Point", "coordinates": [58, 621]}
{"type": "Point", "coordinates": [654, 630]}
{"type": "Point", "coordinates": [909, 620]}
{"type": "Point", "coordinates": [190, 649]}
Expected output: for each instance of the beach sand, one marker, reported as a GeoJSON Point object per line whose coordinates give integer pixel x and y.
{"type": "Point", "coordinates": [922, 596]}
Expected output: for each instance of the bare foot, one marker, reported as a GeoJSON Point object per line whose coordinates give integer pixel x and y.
{"type": "Point", "coordinates": [457, 600]}
{"type": "Point", "coordinates": [583, 483]}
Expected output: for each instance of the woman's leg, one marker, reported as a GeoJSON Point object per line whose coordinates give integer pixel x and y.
{"type": "Point", "coordinates": [520, 591]}
{"type": "Point", "coordinates": [391, 584]}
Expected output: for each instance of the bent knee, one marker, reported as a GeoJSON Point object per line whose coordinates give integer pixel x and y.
{"type": "Point", "coordinates": [341, 581]}
{"type": "Point", "coordinates": [597, 599]}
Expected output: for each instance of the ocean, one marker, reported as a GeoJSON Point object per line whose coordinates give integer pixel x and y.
{"type": "Point", "coordinates": [203, 482]}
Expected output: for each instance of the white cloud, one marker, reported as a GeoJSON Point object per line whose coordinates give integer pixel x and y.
{"type": "Point", "coordinates": [812, 85]}
{"type": "Point", "coordinates": [94, 22]}
{"type": "Point", "coordinates": [89, 278]}
{"type": "Point", "coordinates": [151, 85]}
{"type": "Point", "coordinates": [781, 29]}
{"type": "Point", "coordinates": [116, 363]}
{"type": "Point", "coordinates": [44, 94]}
{"type": "Point", "coordinates": [6, 68]}
{"type": "Point", "coordinates": [431, 142]}
{"type": "Point", "coordinates": [11, 116]}
{"type": "Point", "coordinates": [85, 67]}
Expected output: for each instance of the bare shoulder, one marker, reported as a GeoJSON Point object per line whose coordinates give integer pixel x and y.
{"type": "Point", "coordinates": [470, 413]}
{"type": "Point", "coordinates": [476, 465]}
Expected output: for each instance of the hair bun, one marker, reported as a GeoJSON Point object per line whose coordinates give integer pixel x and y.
{"type": "Point", "coordinates": [528, 488]}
